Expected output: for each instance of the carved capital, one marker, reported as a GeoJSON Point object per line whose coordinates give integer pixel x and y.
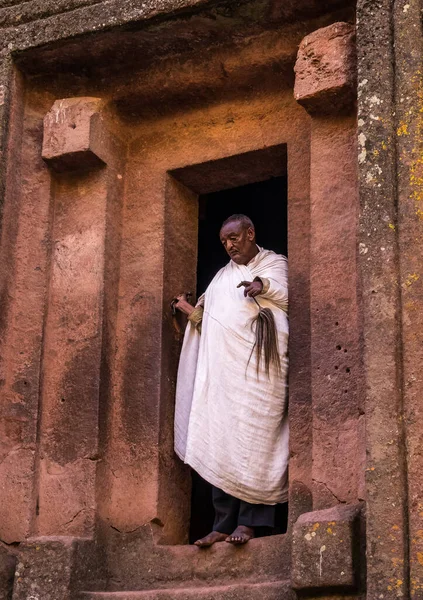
{"type": "Point", "coordinates": [325, 71]}
{"type": "Point", "coordinates": [73, 135]}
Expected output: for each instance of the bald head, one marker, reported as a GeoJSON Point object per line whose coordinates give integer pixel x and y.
{"type": "Point", "coordinates": [238, 237]}
{"type": "Point", "coordinates": [238, 218]}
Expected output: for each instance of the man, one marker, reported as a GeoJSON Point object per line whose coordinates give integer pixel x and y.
{"type": "Point", "coordinates": [231, 424]}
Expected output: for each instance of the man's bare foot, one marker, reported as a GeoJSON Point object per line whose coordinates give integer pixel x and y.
{"type": "Point", "coordinates": [212, 538]}
{"type": "Point", "coordinates": [241, 535]}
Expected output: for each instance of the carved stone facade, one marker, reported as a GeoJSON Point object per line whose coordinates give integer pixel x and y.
{"type": "Point", "coordinates": [115, 117]}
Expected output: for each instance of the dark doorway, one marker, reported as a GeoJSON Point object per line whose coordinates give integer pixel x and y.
{"type": "Point", "coordinates": [266, 204]}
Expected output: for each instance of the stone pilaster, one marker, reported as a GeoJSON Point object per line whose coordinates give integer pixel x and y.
{"type": "Point", "coordinates": [325, 79]}
{"type": "Point", "coordinates": [386, 479]}
{"type": "Point", "coordinates": [408, 36]}
{"type": "Point", "coordinates": [86, 181]}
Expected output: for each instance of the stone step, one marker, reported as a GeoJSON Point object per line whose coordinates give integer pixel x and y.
{"type": "Point", "coordinates": [279, 590]}
{"type": "Point", "coordinates": [134, 565]}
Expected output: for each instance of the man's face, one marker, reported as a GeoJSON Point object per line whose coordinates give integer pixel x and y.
{"type": "Point", "coordinates": [239, 242]}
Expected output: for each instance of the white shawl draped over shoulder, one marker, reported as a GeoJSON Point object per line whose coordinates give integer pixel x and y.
{"type": "Point", "coordinates": [230, 426]}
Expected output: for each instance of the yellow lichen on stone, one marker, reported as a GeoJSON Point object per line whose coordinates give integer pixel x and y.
{"type": "Point", "coordinates": [416, 166]}
{"type": "Point", "coordinates": [402, 129]}
{"type": "Point", "coordinates": [412, 279]}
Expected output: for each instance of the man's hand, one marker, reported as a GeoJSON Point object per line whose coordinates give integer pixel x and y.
{"type": "Point", "coordinates": [181, 303]}
{"type": "Point", "coordinates": [252, 288]}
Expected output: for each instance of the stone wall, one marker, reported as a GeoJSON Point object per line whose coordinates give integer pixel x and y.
{"type": "Point", "coordinates": [356, 291]}
{"type": "Point", "coordinates": [99, 225]}
{"type": "Point", "coordinates": [389, 89]}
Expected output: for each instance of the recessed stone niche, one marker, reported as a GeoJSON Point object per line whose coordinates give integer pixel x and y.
{"type": "Point", "coordinates": [114, 153]}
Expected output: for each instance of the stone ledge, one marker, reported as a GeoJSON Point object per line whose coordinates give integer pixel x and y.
{"type": "Point", "coordinates": [54, 567]}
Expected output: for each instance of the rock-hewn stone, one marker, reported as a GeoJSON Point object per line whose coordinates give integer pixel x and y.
{"type": "Point", "coordinates": [83, 202]}
{"type": "Point", "coordinates": [46, 568]}
{"type": "Point", "coordinates": [7, 573]}
{"type": "Point", "coordinates": [386, 475]}
{"type": "Point", "coordinates": [324, 549]}
{"type": "Point", "coordinates": [326, 69]}
{"type": "Point", "coordinates": [72, 135]}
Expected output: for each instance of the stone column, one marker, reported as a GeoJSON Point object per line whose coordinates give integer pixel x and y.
{"type": "Point", "coordinates": [408, 49]}
{"type": "Point", "coordinates": [386, 476]}
{"type": "Point", "coordinates": [325, 84]}
{"type": "Point", "coordinates": [24, 256]}
{"type": "Point", "coordinates": [86, 188]}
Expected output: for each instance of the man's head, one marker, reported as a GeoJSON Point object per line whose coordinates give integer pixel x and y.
{"type": "Point", "coordinates": [238, 237]}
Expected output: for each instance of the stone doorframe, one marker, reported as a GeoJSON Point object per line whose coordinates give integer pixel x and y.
{"type": "Point", "coordinates": [183, 188]}
{"type": "Point", "coordinates": [119, 451]}
{"type": "Point", "coordinates": [389, 137]}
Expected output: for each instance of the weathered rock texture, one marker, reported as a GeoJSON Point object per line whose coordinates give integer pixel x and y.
{"type": "Point", "coordinates": [325, 549]}
{"type": "Point", "coordinates": [73, 137]}
{"type": "Point", "coordinates": [7, 573]}
{"type": "Point", "coordinates": [114, 117]}
{"type": "Point", "coordinates": [325, 70]}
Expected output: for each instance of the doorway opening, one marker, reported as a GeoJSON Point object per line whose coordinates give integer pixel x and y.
{"type": "Point", "coordinates": [265, 202]}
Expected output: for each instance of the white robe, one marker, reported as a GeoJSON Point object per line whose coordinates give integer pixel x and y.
{"type": "Point", "coordinates": [231, 427]}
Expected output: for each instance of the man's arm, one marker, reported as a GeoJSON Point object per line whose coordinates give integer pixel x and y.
{"type": "Point", "coordinates": [269, 288]}
{"type": "Point", "coordinates": [275, 290]}
{"type": "Point", "coordinates": [194, 314]}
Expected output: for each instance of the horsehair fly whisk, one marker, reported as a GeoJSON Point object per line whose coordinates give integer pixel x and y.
{"type": "Point", "coordinates": [266, 341]}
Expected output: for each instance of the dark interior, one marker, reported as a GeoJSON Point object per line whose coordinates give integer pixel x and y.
{"type": "Point", "coordinates": [266, 204]}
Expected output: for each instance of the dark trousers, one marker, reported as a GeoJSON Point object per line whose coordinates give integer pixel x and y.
{"type": "Point", "coordinates": [231, 512]}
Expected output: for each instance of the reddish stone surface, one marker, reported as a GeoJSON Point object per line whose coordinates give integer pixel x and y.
{"type": "Point", "coordinates": [409, 65]}
{"type": "Point", "coordinates": [325, 549]}
{"type": "Point", "coordinates": [386, 474]}
{"type": "Point", "coordinates": [260, 591]}
{"type": "Point", "coordinates": [71, 364]}
{"type": "Point", "coordinates": [265, 559]}
{"type": "Point", "coordinates": [24, 251]}
{"type": "Point", "coordinates": [72, 135]}
{"type": "Point", "coordinates": [7, 573]}
{"type": "Point", "coordinates": [53, 568]}
{"type": "Point", "coordinates": [120, 242]}
{"type": "Point", "coordinates": [326, 69]}
{"type": "Point", "coordinates": [324, 65]}
{"type": "Point", "coordinates": [300, 392]}
{"type": "Point", "coordinates": [335, 348]}
{"type": "Point", "coordinates": [69, 434]}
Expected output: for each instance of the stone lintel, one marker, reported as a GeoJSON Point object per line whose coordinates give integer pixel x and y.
{"type": "Point", "coordinates": [325, 71]}
{"type": "Point", "coordinates": [73, 135]}
{"type": "Point", "coordinates": [324, 549]}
